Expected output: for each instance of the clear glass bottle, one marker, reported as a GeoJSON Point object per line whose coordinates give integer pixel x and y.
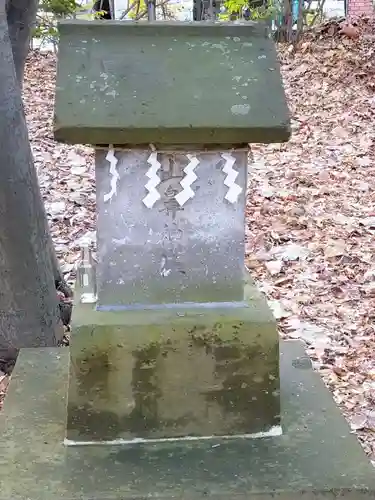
{"type": "Point", "coordinates": [86, 275]}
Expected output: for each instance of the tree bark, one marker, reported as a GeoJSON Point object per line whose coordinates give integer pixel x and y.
{"type": "Point", "coordinates": [21, 15]}
{"type": "Point", "coordinates": [29, 315]}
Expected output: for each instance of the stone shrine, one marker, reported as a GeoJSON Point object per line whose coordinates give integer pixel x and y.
{"type": "Point", "coordinates": [180, 341]}
{"type": "Point", "coordinates": [174, 385]}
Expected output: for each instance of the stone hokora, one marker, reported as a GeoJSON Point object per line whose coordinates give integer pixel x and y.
{"type": "Point", "coordinates": [179, 343]}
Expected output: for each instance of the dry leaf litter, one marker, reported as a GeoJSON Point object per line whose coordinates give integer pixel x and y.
{"type": "Point", "coordinates": [311, 206]}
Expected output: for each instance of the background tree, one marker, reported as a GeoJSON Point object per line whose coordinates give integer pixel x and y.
{"type": "Point", "coordinates": [50, 12]}
{"type": "Point", "coordinates": [289, 18]}
{"type": "Point", "coordinates": [29, 313]}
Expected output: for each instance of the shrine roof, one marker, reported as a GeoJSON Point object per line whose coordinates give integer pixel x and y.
{"type": "Point", "coordinates": [131, 83]}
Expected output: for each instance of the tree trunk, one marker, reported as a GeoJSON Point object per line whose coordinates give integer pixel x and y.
{"type": "Point", "coordinates": [21, 15]}
{"type": "Point", "coordinates": [29, 314]}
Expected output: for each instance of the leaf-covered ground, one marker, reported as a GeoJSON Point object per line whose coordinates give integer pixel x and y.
{"type": "Point", "coordinates": [311, 215]}
{"type": "Point", "coordinates": [311, 207]}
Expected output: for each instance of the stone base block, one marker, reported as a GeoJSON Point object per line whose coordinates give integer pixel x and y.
{"type": "Point", "coordinates": [316, 458]}
{"type": "Point", "coordinates": [170, 373]}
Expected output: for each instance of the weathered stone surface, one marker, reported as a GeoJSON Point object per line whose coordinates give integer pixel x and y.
{"type": "Point", "coordinates": [169, 373]}
{"type": "Point", "coordinates": [317, 458]}
{"type": "Point", "coordinates": [170, 253]}
{"type": "Point", "coordinates": [209, 84]}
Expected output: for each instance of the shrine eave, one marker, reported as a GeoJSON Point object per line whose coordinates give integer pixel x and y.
{"type": "Point", "coordinates": [184, 83]}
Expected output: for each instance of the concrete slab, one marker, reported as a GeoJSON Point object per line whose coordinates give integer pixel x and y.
{"type": "Point", "coordinates": [317, 458]}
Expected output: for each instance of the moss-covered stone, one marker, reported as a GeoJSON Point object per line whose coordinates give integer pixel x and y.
{"type": "Point", "coordinates": [173, 372]}
{"type": "Point", "coordinates": [316, 458]}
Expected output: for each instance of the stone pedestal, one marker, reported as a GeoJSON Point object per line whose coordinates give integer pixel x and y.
{"type": "Point", "coordinates": [174, 372]}
{"type": "Point", "coordinates": [316, 458]}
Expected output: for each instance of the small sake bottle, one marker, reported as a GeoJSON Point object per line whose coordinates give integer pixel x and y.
{"type": "Point", "coordinates": [86, 274]}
